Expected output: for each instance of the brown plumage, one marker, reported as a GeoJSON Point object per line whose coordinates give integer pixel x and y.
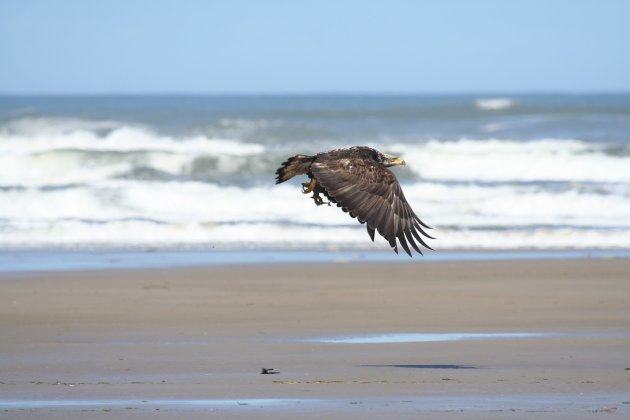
{"type": "Point", "coordinates": [358, 181]}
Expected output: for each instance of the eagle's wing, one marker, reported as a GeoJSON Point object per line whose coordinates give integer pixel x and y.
{"type": "Point", "coordinates": [372, 194]}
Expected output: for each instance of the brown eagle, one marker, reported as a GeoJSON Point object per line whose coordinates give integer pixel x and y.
{"type": "Point", "coordinates": [358, 181]}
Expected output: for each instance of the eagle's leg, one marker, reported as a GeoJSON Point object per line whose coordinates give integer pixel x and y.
{"type": "Point", "coordinates": [318, 200]}
{"type": "Point", "coordinates": [313, 186]}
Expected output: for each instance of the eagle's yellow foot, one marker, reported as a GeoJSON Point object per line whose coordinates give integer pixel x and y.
{"type": "Point", "coordinates": [307, 187]}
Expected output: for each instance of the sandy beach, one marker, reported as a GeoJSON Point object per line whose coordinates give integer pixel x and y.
{"type": "Point", "coordinates": [192, 342]}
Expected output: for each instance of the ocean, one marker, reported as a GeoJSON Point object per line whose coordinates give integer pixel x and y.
{"type": "Point", "coordinates": [484, 171]}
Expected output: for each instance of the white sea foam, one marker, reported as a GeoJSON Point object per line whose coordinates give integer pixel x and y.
{"type": "Point", "coordinates": [139, 233]}
{"type": "Point", "coordinates": [472, 206]}
{"type": "Point", "coordinates": [464, 206]}
{"type": "Point", "coordinates": [133, 212]}
{"type": "Point", "coordinates": [50, 135]}
{"type": "Point", "coordinates": [494, 104]}
{"type": "Point", "coordinates": [53, 152]}
{"type": "Point", "coordinates": [72, 182]}
{"type": "Point", "coordinates": [75, 156]}
{"type": "Point", "coordinates": [505, 160]}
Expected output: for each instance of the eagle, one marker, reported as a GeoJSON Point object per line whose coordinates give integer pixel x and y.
{"type": "Point", "coordinates": [358, 180]}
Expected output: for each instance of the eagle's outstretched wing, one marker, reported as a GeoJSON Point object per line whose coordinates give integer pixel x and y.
{"type": "Point", "coordinates": [372, 194]}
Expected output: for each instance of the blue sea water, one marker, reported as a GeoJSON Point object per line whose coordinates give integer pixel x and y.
{"type": "Point", "coordinates": [485, 171]}
{"type": "Point", "coordinates": [48, 260]}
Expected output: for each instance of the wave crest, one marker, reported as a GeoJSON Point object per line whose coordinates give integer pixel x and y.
{"type": "Point", "coordinates": [63, 151]}
{"type": "Point", "coordinates": [494, 104]}
{"type": "Point", "coordinates": [504, 160]}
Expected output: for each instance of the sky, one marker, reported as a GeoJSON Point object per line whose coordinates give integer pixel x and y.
{"type": "Point", "coordinates": [313, 46]}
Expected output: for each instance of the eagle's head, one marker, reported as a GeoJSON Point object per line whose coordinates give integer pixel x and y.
{"type": "Point", "coordinates": [373, 154]}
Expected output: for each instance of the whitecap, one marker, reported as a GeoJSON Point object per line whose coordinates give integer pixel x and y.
{"type": "Point", "coordinates": [511, 160]}
{"type": "Point", "coordinates": [123, 212]}
{"type": "Point", "coordinates": [49, 151]}
{"type": "Point", "coordinates": [494, 104]}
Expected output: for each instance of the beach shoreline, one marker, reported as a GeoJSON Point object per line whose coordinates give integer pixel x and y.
{"type": "Point", "coordinates": [193, 340]}
{"type": "Point", "coordinates": [24, 260]}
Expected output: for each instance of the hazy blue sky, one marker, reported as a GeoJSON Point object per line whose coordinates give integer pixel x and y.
{"type": "Point", "coordinates": [141, 46]}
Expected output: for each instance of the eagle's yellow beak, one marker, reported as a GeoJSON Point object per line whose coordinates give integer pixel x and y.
{"type": "Point", "coordinates": [399, 161]}
{"type": "Point", "coordinates": [393, 160]}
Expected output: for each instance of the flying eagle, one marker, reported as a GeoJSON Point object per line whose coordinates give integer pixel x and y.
{"type": "Point", "coordinates": [358, 181]}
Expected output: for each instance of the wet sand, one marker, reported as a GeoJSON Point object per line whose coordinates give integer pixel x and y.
{"type": "Point", "coordinates": [191, 342]}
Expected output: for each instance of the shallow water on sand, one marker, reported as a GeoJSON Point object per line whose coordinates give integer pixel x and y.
{"type": "Point", "coordinates": [562, 403]}
{"type": "Point", "coordinates": [64, 260]}
{"type": "Point", "coordinates": [425, 337]}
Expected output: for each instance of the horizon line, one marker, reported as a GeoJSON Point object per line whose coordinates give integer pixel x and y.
{"type": "Point", "coordinates": [321, 93]}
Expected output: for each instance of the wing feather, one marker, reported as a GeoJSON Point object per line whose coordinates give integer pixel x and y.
{"type": "Point", "coordinates": [370, 232]}
{"type": "Point", "coordinates": [403, 242]}
{"type": "Point", "coordinates": [409, 237]}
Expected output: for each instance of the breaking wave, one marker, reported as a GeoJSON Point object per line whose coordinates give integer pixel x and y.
{"type": "Point", "coordinates": [505, 160]}
{"type": "Point", "coordinates": [79, 182]}
{"type": "Point", "coordinates": [494, 104]}
{"type": "Point", "coordinates": [49, 152]}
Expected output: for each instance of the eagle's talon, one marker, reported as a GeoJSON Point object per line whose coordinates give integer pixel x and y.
{"type": "Point", "coordinates": [308, 187]}
{"type": "Point", "coordinates": [318, 200]}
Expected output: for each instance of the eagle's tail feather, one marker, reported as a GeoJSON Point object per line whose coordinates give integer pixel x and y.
{"type": "Point", "coordinates": [296, 165]}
